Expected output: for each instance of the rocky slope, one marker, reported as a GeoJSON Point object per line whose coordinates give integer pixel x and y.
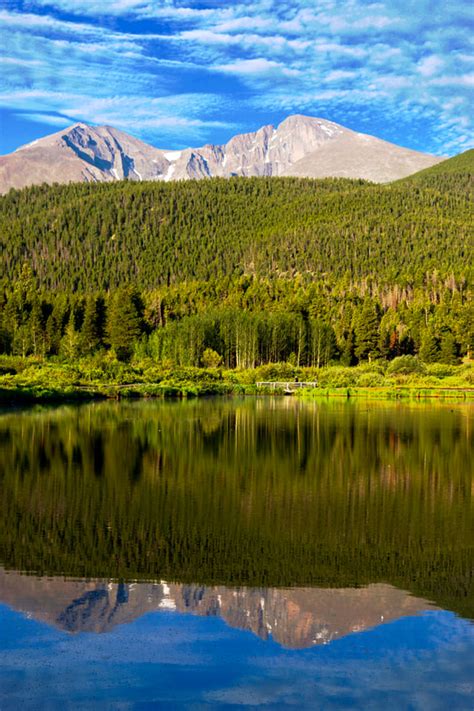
{"type": "Point", "coordinates": [300, 145]}
{"type": "Point", "coordinates": [81, 153]}
{"type": "Point", "coordinates": [295, 618]}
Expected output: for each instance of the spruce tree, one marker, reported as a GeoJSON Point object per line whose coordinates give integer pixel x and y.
{"type": "Point", "coordinates": [448, 349]}
{"type": "Point", "coordinates": [366, 331]}
{"type": "Point", "coordinates": [429, 348]}
{"type": "Point", "coordinates": [347, 350]}
{"type": "Point", "coordinates": [93, 325]}
{"type": "Point", "coordinates": [124, 323]}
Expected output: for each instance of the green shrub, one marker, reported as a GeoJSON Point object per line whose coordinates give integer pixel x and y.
{"type": "Point", "coordinates": [376, 366]}
{"type": "Point", "coordinates": [370, 380]}
{"type": "Point", "coordinates": [405, 365]}
{"type": "Point", "coordinates": [153, 374]}
{"type": "Point", "coordinates": [275, 371]}
{"type": "Point", "coordinates": [211, 359]}
{"type": "Point", "coordinates": [337, 377]}
{"type": "Point", "coordinates": [467, 373]}
{"type": "Point", "coordinates": [441, 370]}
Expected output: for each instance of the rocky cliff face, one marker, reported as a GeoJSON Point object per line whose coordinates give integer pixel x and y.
{"type": "Point", "coordinates": [294, 617]}
{"type": "Point", "coordinates": [300, 146]}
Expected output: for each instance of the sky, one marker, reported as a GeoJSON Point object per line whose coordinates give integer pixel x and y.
{"type": "Point", "coordinates": [179, 73]}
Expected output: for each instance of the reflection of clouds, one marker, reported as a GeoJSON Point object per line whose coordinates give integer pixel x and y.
{"type": "Point", "coordinates": [425, 663]}
{"type": "Point", "coordinates": [368, 672]}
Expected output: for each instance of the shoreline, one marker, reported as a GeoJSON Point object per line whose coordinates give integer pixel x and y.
{"type": "Point", "coordinates": [33, 380]}
{"type": "Point", "coordinates": [26, 395]}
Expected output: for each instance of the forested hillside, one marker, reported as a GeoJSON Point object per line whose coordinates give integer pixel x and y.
{"type": "Point", "coordinates": [250, 270]}
{"type": "Point", "coordinates": [98, 236]}
{"type": "Point", "coordinates": [460, 164]}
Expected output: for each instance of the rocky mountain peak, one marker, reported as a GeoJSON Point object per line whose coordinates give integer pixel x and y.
{"type": "Point", "coordinates": [300, 145]}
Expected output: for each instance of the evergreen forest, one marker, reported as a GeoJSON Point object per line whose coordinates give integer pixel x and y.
{"type": "Point", "coordinates": [241, 272]}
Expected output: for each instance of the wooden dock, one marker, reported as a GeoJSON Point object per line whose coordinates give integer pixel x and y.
{"type": "Point", "coordinates": [288, 387]}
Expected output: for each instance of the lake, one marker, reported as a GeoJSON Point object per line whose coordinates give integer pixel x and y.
{"type": "Point", "coordinates": [237, 552]}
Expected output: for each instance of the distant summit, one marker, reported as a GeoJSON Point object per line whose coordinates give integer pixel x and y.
{"type": "Point", "coordinates": [300, 146]}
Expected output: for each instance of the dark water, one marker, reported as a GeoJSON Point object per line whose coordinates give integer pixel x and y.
{"type": "Point", "coordinates": [237, 553]}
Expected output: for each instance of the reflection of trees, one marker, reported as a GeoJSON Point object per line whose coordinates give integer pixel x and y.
{"type": "Point", "coordinates": [274, 492]}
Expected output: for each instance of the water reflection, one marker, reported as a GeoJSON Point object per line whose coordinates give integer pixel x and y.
{"type": "Point", "coordinates": [321, 556]}
{"type": "Point", "coordinates": [295, 618]}
{"type": "Point", "coordinates": [256, 493]}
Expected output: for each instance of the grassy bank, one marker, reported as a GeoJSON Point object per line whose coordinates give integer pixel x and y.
{"type": "Point", "coordinates": [26, 380]}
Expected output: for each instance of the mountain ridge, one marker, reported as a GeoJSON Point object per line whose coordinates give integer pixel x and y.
{"type": "Point", "coordinates": [300, 146]}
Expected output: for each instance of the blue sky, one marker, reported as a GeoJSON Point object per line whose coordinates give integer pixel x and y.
{"type": "Point", "coordinates": [180, 72]}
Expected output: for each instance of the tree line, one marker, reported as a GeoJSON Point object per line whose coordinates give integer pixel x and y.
{"type": "Point", "coordinates": [239, 323]}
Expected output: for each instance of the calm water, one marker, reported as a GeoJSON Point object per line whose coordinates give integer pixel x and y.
{"type": "Point", "coordinates": [232, 553]}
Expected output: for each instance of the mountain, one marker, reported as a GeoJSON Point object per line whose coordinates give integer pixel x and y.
{"type": "Point", "coordinates": [300, 146]}
{"type": "Point", "coordinates": [296, 618]}
{"type": "Point", "coordinates": [81, 154]}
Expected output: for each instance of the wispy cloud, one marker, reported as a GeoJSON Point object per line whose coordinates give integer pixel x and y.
{"type": "Point", "coordinates": [17, 62]}
{"type": "Point", "coordinates": [257, 67]}
{"type": "Point", "coordinates": [166, 115]}
{"type": "Point", "coordinates": [400, 71]}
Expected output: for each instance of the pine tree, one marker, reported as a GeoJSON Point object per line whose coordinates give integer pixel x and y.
{"type": "Point", "coordinates": [25, 288]}
{"type": "Point", "coordinates": [124, 323]}
{"type": "Point", "coordinates": [347, 350]}
{"type": "Point", "coordinates": [93, 325]}
{"type": "Point", "coordinates": [366, 331]}
{"type": "Point", "coordinates": [448, 349]}
{"type": "Point", "coordinates": [429, 348]}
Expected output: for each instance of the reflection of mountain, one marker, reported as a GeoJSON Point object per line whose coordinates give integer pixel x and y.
{"type": "Point", "coordinates": [253, 492]}
{"type": "Point", "coordinates": [294, 617]}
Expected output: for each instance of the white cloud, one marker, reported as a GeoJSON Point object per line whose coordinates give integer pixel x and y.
{"type": "Point", "coordinates": [137, 8]}
{"type": "Point", "coordinates": [462, 80]}
{"type": "Point", "coordinates": [160, 117]}
{"type": "Point", "coordinates": [430, 65]}
{"type": "Point", "coordinates": [338, 74]}
{"type": "Point", "coordinates": [245, 22]}
{"type": "Point", "coordinates": [256, 67]}
{"type": "Point", "coordinates": [50, 119]}
{"type": "Point", "coordinates": [16, 61]}
{"type": "Point", "coordinates": [332, 49]}
{"type": "Point", "coordinates": [397, 63]}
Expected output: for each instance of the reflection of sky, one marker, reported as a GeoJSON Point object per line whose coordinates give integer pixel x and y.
{"type": "Point", "coordinates": [173, 660]}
